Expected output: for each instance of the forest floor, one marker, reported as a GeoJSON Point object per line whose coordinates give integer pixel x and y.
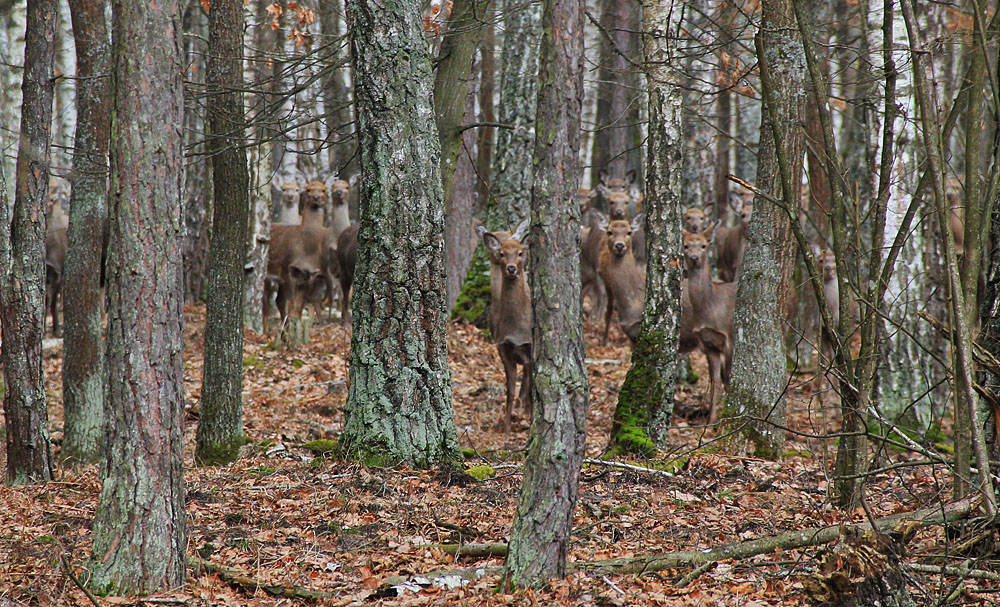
{"type": "Point", "coordinates": [287, 519]}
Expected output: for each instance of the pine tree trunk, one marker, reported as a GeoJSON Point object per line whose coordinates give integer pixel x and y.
{"type": "Point", "coordinates": [83, 342]}
{"type": "Point", "coordinates": [646, 400]}
{"type": "Point", "coordinates": [336, 96]}
{"type": "Point", "coordinates": [539, 538]}
{"type": "Point", "coordinates": [758, 379]}
{"type": "Point", "coordinates": [220, 425]}
{"type": "Point", "coordinates": [198, 174]}
{"type": "Point", "coordinates": [139, 527]}
{"type": "Point", "coordinates": [617, 83]}
{"type": "Point", "coordinates": [22, 250]}
{"type": "Point", "coordinates": [399, 403]}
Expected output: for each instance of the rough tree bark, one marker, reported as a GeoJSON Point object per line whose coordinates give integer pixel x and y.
{"type": "Point", "coordinates": [220, 425]}
{"type": "Point", "coordinates": [645, 402]}
{"type": "Point", "coordinates": [539, 538]}
{"type": "Point", "coordinates": [22, 251]}
{"type": "Point", "coordinates": [197, 174]}
{"type": "Point", "coordinates": [139, 525]}
{"type": "Point", "coordinates": [399, 403]}
{"type": "Point", "coordinates": [758, 380]}
{"type": "Point", "coordinates": [83, 339]}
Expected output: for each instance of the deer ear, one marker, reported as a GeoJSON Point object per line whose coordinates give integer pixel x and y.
{"type": "Point", "coordinates": [353, 179]}
{"type": "Point", "coordinates": [603, 177]}
{"type": "Point", "coordinates": [521, 230]}
{"type": "Point", "coordinates": [630, 177]}
{"type": "Point", "coordinates": [331, 181]}
{"type": "Point", "coordinates": [600, 220]}
{"type": "Point", "coordinates": [710, 232]}
{"type": "Point", "coordinates": [480, 230]}
{"type": "Point", "coordinates": [735, 202]}
{"type": "Point", "coordinates": [638, 220]}
{"type": "Point", "coordinates": [492, 242]}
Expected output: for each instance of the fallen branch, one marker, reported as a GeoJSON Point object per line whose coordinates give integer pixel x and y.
{"type": "Point", "coordinates": [632, 467]}
{"type": "Point", "coordinates": [957, 571]}
{"type": "Point", "coordinates": [687, 579]}
{"type": "Point", "coordinates": [474, 550]}
{"type": "Point", "coordinates": [786, 541]}
{"type": "Point", "coordinates": [249, 584]}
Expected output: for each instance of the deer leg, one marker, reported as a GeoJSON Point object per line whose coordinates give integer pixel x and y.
{"type": "Point", "coordinates": [608, 312]}
{"type": "Point", "coordinates": [510, 373]}
{"type": "Point", "coordinates": [715, 379]}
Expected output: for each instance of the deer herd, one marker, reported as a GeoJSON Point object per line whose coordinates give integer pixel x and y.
{"type": "Point", "coordinates": [314, 245]}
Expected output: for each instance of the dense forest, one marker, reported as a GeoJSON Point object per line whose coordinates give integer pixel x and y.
{"type": "Point", "coordinates": [568, 302]}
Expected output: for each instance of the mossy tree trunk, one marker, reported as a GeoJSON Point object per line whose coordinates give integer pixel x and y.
{"type": "Point", "coordinates": [220, 425]}
{"type": "Point", "coordinates": [399, 403]}
{"type": "Point", "coordinates": [757, 384]}
{"type": "Point", "coordinates": [539, 538]}
{"type": "Point", "coordinates": [646, 400]}
{"type": "Point", "coordinates": [139, 525]}
{"type": "Point", "coordinates": [22, 254]}
{"type": "Point", "coordinates": [83, 338]}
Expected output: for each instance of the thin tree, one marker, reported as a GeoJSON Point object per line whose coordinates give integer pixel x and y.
{"type": "Point", "coordinates": [646, 400]}
{"type": "Point", "coordinates": [139, 526]}
{"type": "Point", "coordinates": [22, 250]}
{"type": "Point", "coordinates": [758, 381]}
{"type": "Point", "coordinates": [539, 538]}
{"type": "Point", "coordinates": [220, 426]}
{"type": "Point", "coordinates": [399, 403]}
{"type": "Point", "coordinates": [83, 340]}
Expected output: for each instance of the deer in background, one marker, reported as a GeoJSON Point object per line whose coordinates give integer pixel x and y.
{"type": "Point", "coordinates": [58, 203]}
{"type": "Point", "coordinates": [695, 219]}
{"type": "Point", "coordinates": [623, 277]}
{"type": "Point", "coordinates": [732, 242]}
{"type": "Point", "coordinates": [711, 313]}
{"type": "Point", "coordinates": [590, 241]}
{"type": "Point", "coordinates": [510, 311]}
{"type": "Point", "coordinates": [623, 198]}
{"type": "Point", "coordinates": [827, 263]}
{"type": "Point", "coordinates": [288, 207]}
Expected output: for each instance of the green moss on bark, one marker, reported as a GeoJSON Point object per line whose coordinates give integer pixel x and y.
{"type": "Point", "coordinates": [211, 454]}
{"type": "Point", "coordinates": [642, 391]}
{"type": "Point", "coordinates": [475, 295]}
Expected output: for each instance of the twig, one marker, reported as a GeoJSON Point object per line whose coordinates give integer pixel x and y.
{"type": "Point", "coordinates": [613, 585]}
{"type": "Point", "coordinates": [624, 466]}
{"type": "Point", "coordinates": [76, 580]}
{"type": "Point", "coordinates": [251, 585]}
{"type": "Point", "coordinates": [972, 573]}
{"type": "Point", "coordinates": [687, 579]}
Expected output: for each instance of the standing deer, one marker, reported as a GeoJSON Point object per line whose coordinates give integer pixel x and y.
{"type": "Point", "coordinates": [288, 208]}
{"type": "Point", "coordinates": [695, 219]}
{"type": "Point", "coordinates": [732, 242]}
{"type": "Point", "coordinates": [711, 316]}
{"type": "Point", "coordinates": [624, 278]}
{"type": "Point", "coordinates": [510, 311]}
{"type": "Point", "coordinates": [347, 258]}
{"type": "Point", "coordinates": [623, 199]}
{"type": "Point", "coordinates": [827, 263]}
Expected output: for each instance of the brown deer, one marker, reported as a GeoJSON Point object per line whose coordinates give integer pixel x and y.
{"type": "Point", "coordinates": [624, 278]}
{"type": "Point", "coordinates": [294, 267]}
{"type": "Point", "coordinates": [55, 263]}
{"type": "Point", "coordinates": [510, 311]}
{"type": "Point", "coordinates": [732, 242]}
{"type": "Point", "coordinates": [827, 263]}
{"type": "Point", "coordinates": [340, 195]}
{"type": "Point", "coordinates": [58, 202]}
{"type": "Point", "coordinates": [347, 258]}
{"type": "Point", "coordinates": [623, 199]}
{"type": "Point", "coordinates": [711, 314]}
{"type": "Point", "coordinates": [288, 209]}
{"type": "Point", "coordinates": [695, 219]}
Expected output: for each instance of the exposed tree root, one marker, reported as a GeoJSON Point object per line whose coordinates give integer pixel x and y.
{"type": "Point", "coordinates": [250, 585]}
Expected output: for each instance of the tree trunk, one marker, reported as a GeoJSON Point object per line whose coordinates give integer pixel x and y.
{"type": "Point", "coordinates": [83, 341]}
{"type": "Point", "coordinates": [758, 380]}
{"type": "Point", "coordinates": [460, 218]}
{"type": "Point", "coordinates": [139, 527]}
{"type": "Point", "coordinates": [399, 403]}
{"type": "Point", "coordinates": [22, 251]}
{"type": "Point", "coordinates": [485, 135]}
{"type": "Point", "coordinates": [617, 82]}
{"type": "Point", "coordinates": [197, 174]}
{"type": "Point", "coordinates": [220, 425]}
{"type": "Point", "coordinates": [646, 400]}
{"type": "Point", "coordinates": [336, 96]}
{"type": "Point", "coordinates": [539, 538]}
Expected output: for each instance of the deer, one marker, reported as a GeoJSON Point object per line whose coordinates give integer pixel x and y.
{"type": "Point", "coordinates": [288, 207]}
{"type": "Point", "coordinates": [347, 258]}
{"type": "Point", "coordinates": [624, 278]}
{"type": "Point", "coordinates": [711, 313]}
{"type": "Point", "coordinates": [623, 198]}
{"type": "Point", "coordinates": [55, 264]}
{"type": "Point", "coordinates": [510, 312]}
{"type": "Point", "coordinates": [695, 218]}
{"type": "Point", "coordinates": [58, 201]}
{"type": "Point", "coordinates": [294, 267]}
{"type": "Point", "coordinates": [827, 263]}
{"type": "Point", "coordinates": [732, 242]}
